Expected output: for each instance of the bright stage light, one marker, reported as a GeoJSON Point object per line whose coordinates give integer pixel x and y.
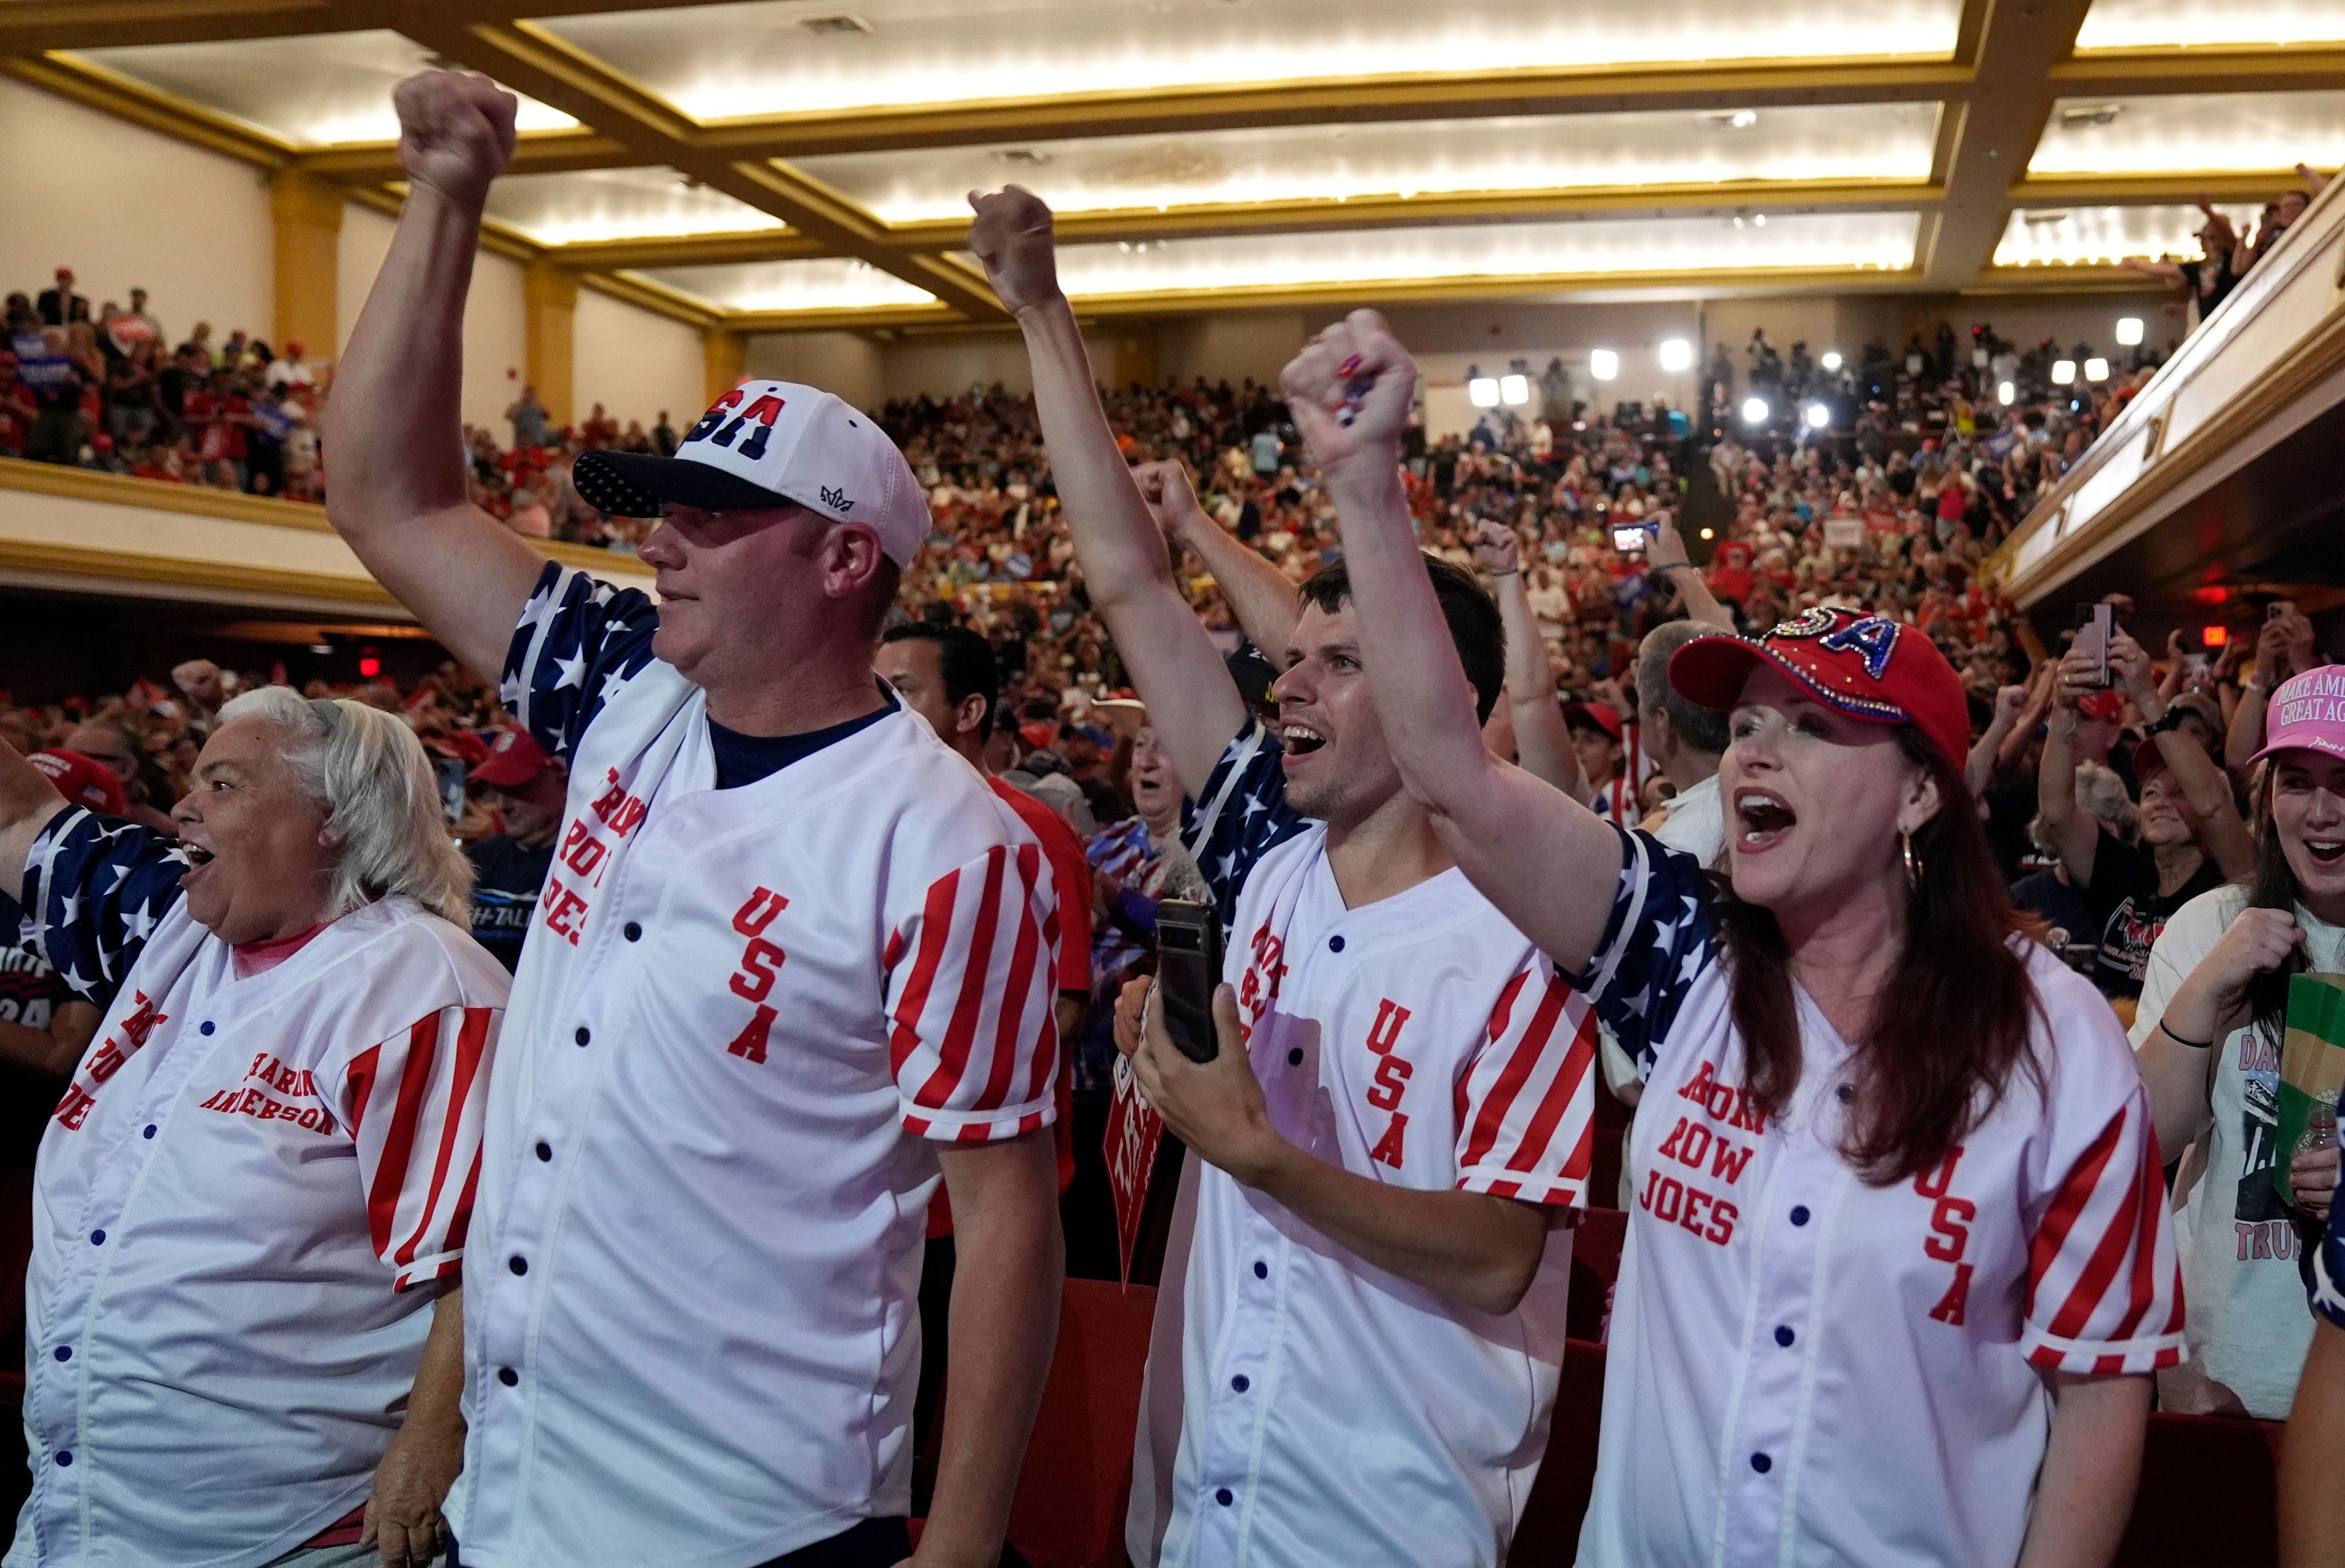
{"type": "Point", "coordinates": [2097, 369]}
{"type": "Point", "coordinates": [2006, 393]}
{"type": "Point", "coordinates": [1754, 411]}
{"type": "Point", "coordinates": [1677, 354]}
{"type": "Point", "coordinates": [1483, 390]}
{"type": "Point", "coordinates": [1514, 390]}
{"type": "Point", "coordinates": [1818, 416]}
{"type": "Point", "coordinates": [2064, 372]}
{"type": "Point", "coordinates": [2130, 330]}
{"type": "Point", "coordinates": [1831, 359]}
{"type": "Point", "coordinates": [1603, 364]}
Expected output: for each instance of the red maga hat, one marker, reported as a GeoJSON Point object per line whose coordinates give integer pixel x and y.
{"type": "Point", "coordinates": [1866, 666]}
{"type": "Point", "coordinates": [1603, 715]}
{"type": "Point", "coordinates": [514, 761]}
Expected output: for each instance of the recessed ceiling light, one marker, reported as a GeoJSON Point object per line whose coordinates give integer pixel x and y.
{"type": "Point", "coordinates": [2079, 114]}
{"type": "Point", "coordinates": [2053, 215]}
{"type": "Point", "coordinates": [836, 23]}
{"type": "Point", "coordinates": [1744, 119]}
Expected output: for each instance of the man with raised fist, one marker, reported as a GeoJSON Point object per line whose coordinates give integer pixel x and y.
{"type": "Point", "coordinates": [778, 980]}
{"type": "Point", "coordinates": [1357, 1348]}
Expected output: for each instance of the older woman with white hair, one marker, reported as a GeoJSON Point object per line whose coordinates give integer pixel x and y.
{"type": "Point", "coordinates": [243, 1320]}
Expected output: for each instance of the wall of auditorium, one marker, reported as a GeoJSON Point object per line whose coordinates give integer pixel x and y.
{"type": "Point", "coordinates": [634, 364]}
{"type": "Point", "coordinates": [197, 239]}
{"type": "Point", "coordinates": [493, 349]}
{"type": "Point", "coordinates": [2029, 319]}
{"type": "Point", "coordinates": [847, 363]}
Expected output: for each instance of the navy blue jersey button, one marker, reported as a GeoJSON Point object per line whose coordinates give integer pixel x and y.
{"type": "Point", "coordinates": [1240, 1382]}
{"type": "Point", "coordinates": [1334, 943]}
{"type": "Point", "coordinates": [519, 1265]}
{"type": "Point", "coordinates": [1294, 1058]}
{"type": "Point", "coordinates": [582, 1035]}
{"type": "Point", "coordinates": [1761, 1463]}
{"type": "Point", "coordinates": [632, 932]}
{"type": "Point", "coordinates": [1799, 1214]}
{"type": "Point", "coordinates": [65, 1352]}
{"type": "Point", "coordinates": [545, 1150]}
{"type": "Point", "coordinates": [97, 1237]}
{"type": "Point", "coordinates": [507, 1376]}
{"type": "Point", "coordinates": [149, 1132]}
{"type": "Point", "coordinates": [1226, 1497]}
{"type": "Point", "coordinates": [65, 1456]}
{"type": "Point", "coordinates": [1846, 1091]}
{"type": "Point", "coordinates": [206, 1027]}
{"type": "Point", "coordinates": [1783, 1335]}
{"type": "Point", "coordinates": [1261, 1270]}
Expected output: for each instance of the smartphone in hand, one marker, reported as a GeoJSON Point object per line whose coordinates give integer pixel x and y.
{"type": "Point", "coordinates": [1630, 538]}
{"type": "Point", "coordinates": [2094, 624]}
{"type": "Point", "coordinates": [1188, 967]}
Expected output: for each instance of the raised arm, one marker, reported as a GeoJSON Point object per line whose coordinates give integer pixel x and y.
{"type": "Point", "coordinates": [28, 802]}
{"type": "Point", "coordinates": [2204, 783]}
{"type": "Point", "coordinates": [1978, 768]}
{"type": "Point", "coordinates": [1547, 862]}
{"type": "Point", "coordinates": [1542, 740]}
{"type": "Point", "coordinates": [1666, 560]}
{"type": "Point", "coordinates": [1259, 594]}
{"type": "Point", "coordinates": [394, 432]}
{"type": "Point", "coordinates": [2076, 833]}
{"type": "Point", "coordinates": [1192, 704]}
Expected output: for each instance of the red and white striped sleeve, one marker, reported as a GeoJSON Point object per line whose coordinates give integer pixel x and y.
{"type": "Point", "coordinates": [971, 1040]}
{"type": "Point", "coordinates": [414, 1105]}
{"type": "Point", "coordinates": [1526, 1102]}
{"type": "Point", "coordinates": [2104, 1285]}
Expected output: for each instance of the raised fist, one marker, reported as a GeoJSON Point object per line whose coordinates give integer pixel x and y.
{"type": "Point", "coordinates": [1498, 548]}
{"type": "Point", "coordinates": [1011, 237]}
{"type": "Point", "coordinates": [1171, 502]}
{"type": "Point", "coordinates": [2010, 702]}
{"type": "Point", "coordinates": [1349, 392]}
{"type": "Point", "coordinates": [2257, 941]}
{"type": "Point", "coordinates": [455, 133]}
{"type": "Point", "coordinates": [199, 680]}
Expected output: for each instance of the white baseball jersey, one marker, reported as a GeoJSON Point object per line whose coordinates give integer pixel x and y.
{"type": "Point", "coordinates": [1806, 1370]}
{"type": "Point", "coordinates": [244, 1179]}
{"type": "Point", "coordinates": [1306, 1407]}
{"type": "Point", "coordinates": [740, 1019]}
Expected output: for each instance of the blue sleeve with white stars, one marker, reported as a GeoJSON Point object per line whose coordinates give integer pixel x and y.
{"type": "Point", "coordinates": [94, 889]}
{"type": "Point", "coordinates": [1655, 946]}
{"type": "Point", "coordinates": [2328, 1267]}
{"type": "Point", "coordinates": [578, 637]}
{"type": "Point", "coordinates": [1240, 815]}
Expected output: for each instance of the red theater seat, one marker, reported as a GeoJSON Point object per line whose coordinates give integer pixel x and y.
{"type": "Point", "coordinates": [1595, 1264]}
{"type": "Point", "coordinates": [1548, 1535]}
{"type": "Point", "coordinates": [1077, 1480]}
{"type": "Point", "coordinates": [2209, 1495]}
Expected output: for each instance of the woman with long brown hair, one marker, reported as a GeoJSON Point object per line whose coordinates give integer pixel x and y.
{"type": "Point", "coordinates": [1899, 1260]}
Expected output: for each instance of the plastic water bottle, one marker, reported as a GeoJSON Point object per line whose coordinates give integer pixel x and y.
{"type": "Point", "coordinates": [2320, 1128]}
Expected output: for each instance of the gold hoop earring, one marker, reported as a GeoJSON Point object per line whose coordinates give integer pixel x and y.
{"type": "Point", "coordinates": [1913, 861]}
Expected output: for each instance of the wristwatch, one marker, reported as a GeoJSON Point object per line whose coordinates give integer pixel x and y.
{"type": "Point", "coordinates": [2169, 721]}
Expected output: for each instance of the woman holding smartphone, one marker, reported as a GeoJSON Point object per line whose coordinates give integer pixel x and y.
{"type": "Point", "coordinates": [1899, 1263]}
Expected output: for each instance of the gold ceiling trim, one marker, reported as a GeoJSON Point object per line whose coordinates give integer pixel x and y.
{"type": "Point", "coordinates": [94, 86]}
{"type": "Point", "coordinates": [659, 299]}
{"type": "Point", "coordinates": [535, 152]}
{"type": "Point", "coordinates": [1445, 290]}
{"type": "Point", "coordinates": [1207, 219]}
{"type": "Point", "coordinates": [687, 250]}
{"type": "Point", "coordinates": [2151, 190]}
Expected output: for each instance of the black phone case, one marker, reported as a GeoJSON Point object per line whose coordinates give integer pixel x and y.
{"type": "Point", "coordinates": [1188, 967]}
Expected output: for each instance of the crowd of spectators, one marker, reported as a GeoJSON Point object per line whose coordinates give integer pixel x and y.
{"type": "Point", "coordinates": [107, 390]}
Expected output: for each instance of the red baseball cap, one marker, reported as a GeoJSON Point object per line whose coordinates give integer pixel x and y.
{"type": "Point", "coordinates": [1603, 715]}
{"type": "Point", "coordinates": [81, 780]}
{"type": "Point", "coordinates": [2105, 706]}
{"type": "Point", "coordinates": [1866, 666]}
{"type": "Point", "coordinates": [514, 762]}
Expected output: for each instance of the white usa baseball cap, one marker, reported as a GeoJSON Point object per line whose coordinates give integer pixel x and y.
{"type": "Point", "coordinates": [772, 443]}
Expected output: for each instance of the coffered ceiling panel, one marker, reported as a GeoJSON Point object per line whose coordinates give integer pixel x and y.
{"type": "Point", "coordinates": [819, 284]}
{"type": "Point", "coordinates": [594, 205]}
{"type": "Point", "coordinates": [788, 56]}
{"type": "Point", "coordinates": [1722, 147]}
{"type": "Point", "coordinates": [315, 90]}
{"type": "Point", "coordinates": [2193, 133]}
{"type": "Point", "coordinates": [1849, 242]}
{"type": "Point", "coordinates": [2208, 23]}
{"type": "Point", "coordinates": [2100, 236]}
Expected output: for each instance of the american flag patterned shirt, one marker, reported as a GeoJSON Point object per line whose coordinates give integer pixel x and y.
{"type": "Point", "coordinates": [248, 1171]}
{"type": "Point", "coordinates": [1807, 1370]}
